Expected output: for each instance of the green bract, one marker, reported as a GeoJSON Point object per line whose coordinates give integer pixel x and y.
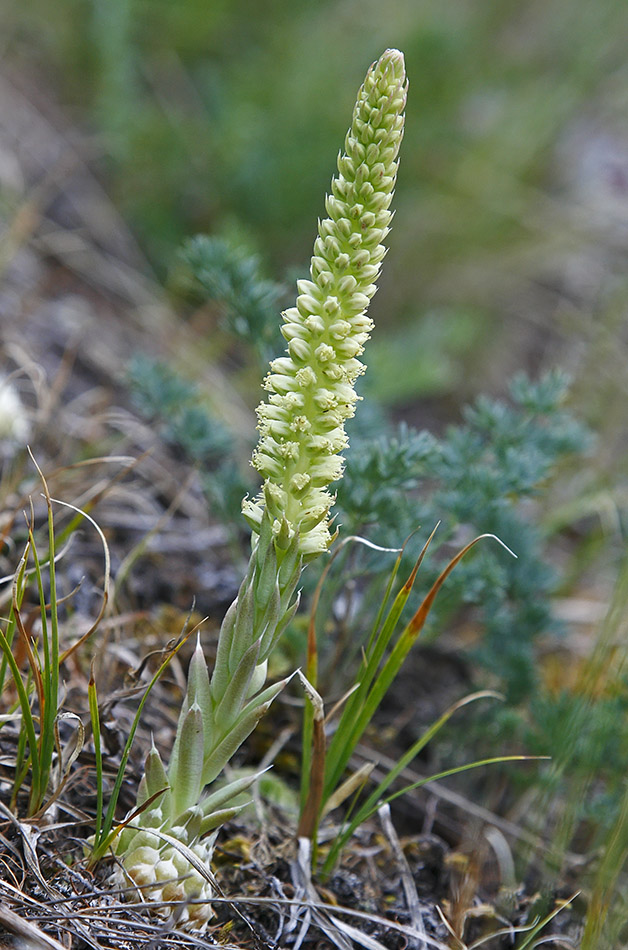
{"type": "Point", "coordinates": [311, 388]}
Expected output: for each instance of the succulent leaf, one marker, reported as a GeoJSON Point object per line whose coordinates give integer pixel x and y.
{"type": "Point", "coordinates": [156, 779]}
{"type": "Point", "coordinates": [238, 732]}
{"type": "Point", "coordinates": [228, 792]}
{"type": "Point", "coordinates": [227, 710]}
{"type": "Point", "coordinates": [186, 776]}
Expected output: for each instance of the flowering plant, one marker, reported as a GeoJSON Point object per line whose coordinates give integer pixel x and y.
{"type": "Point", "coordinates": [165, 846]}
{"type": "Point", "coordinates": [311, 389]}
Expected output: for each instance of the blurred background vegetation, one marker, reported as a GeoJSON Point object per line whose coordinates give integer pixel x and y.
{"type": "Point", "coordinates": [511, 227]}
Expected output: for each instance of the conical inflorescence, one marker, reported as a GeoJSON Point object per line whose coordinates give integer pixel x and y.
{"type": "Point", "coordinates": [311, 388]}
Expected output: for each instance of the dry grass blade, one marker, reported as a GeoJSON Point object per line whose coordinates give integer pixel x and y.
{"type": "Point", "coordinates": [205, 872]}
{"type": "Point", "coordinates": [94, 915]}
{"type": "Point", "coordinates": [107, 578]}
{"type": "Point", "coordinates": [65, 761]}
{"type": "Point", "coordinates": [458, 943]}
{"type": "Point", "coordinates": [409, 886]}
{"type": "Point", "coordinates": [309, 910]}
{"type": "Point", "coordinates": [311, 665]}
{"type": "Point", "coordinates": [503, 854]}
{"type": "Point", "coordinates": [418, 621]}
{"type": "Point", "coordinates": [107, 832]}
{"type": "Point", "coordinates": [30, 835]}
{"type": "Point", "coordinates": [308, 821]}
{"type": "Point", "coordinates": [334, 910]}
{"type": "Point", "coordinates": [34, 938]}
{"type": "Point", "coordinates": [540, 924]}
{"type": "Point", "coordinates": [17, 593]}
{"type": "Point", "coordinates": [362, 939]}
{"type": "Point", "coordinates": [351, 785]}
{"type": "Point", "coordinates": [126, 566]}
{"type": "Point", "coordinates": [441, 793]}
{"type": "Point", "coordinates": [306, 900]}
{"type": "Point", "coordinates": [529, 930]}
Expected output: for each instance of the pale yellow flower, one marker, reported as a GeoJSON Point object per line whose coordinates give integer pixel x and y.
{"type": "Point", "coordinates": [311, 388]}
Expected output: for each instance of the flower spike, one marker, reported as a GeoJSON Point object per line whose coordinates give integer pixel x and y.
{"type": "Point", "coordinates": [311, 388]}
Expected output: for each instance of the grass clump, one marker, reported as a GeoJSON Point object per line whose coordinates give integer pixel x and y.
{"type": "Point", "coordinates": [42, 763]}
{"type": "Point", "coordinates": [482, 475]}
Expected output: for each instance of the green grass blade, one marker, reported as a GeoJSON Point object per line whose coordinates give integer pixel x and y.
{"type": "Point", "coordinates": [311, 665]}
{"type": "Point", "coordinates": [427, 737]}
{"type": "Point", "coordinates": [49, 691]}
{"type": "Point", "coordinates": [406, 640]}
{"type": "Point", "coordinates": [101, 845]}
{"type": "Point", "coordinates": [81, 514]}
{"type": "Point", "coordinates": [95, 721]}
{"type": "Point", "coordinates": [38, 781]}
{"type": "Point", "coordinates": [391, 580]}
{"type": "Point", "coordinates": [537, 927]}
{"type": "Point", "coordinates": [108, 839]}
{"type": "Point", "coordinates": [419, 745]}
{"type": "Point", "coordinates": [9, 634]}
{"type": "Point", "coordinates": [604, 890]}
{"type": "Point", "coordinates": [18, 595]}
{"type": "Point", "coordinates": [369, 809]}
{"type": "Point", "coordinates": [311, 670]}
{"type": "Point", "coordinates": [50, 671]}
{"type": "Point", "coordinates": [54, 616]}
{"type": "Point", "coordinates": [28, 722]}
{"type": "Point", "coordinates": [311, 673]}
{"type": "Point", "coordinates": [381, 612]}
{"type": "Point", "coordinates": [344, 740]}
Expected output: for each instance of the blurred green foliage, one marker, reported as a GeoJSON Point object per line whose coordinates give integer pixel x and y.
{"type": "Point", "coordinates": [221, 114]}
{"type": "Point", "coordinates": [479, 477]}
{"type": "Point", "coordinates": [175, 408]}
{"type": "Point", "coordinates": [220, 271]}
